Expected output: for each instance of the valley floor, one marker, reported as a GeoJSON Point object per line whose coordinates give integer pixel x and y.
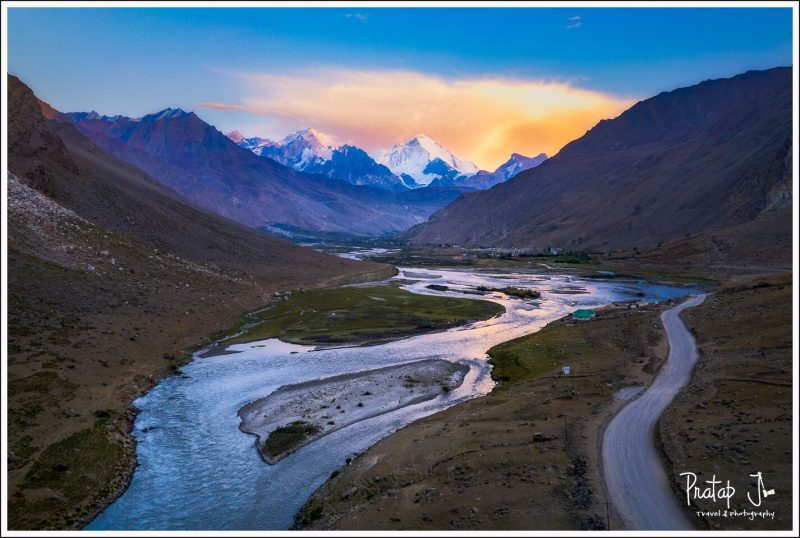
{"type": "Point", "coordinates": [73, 378]}
{"type": "Point", "coordinates": [83, 345]}
{"type": "Point", "coordinates": [526, 456]}
{"type": "Point", "coordinates": [523, 457]}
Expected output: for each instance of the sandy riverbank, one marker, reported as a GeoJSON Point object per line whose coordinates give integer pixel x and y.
{"type": "Point", "coordinates": [327, 405]}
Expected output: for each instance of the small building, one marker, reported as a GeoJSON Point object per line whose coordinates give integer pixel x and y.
{"type": "Point", "coordinates": [565, 370]}
{"type": "Point", "coordinates": [583, 315]}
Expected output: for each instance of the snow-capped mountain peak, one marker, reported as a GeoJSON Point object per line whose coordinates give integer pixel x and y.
{"type": "Point", "coordinates": [517, 163]}
{"type": "Point", "coordinates": [166, 113]}
{"type": "Point", "coordinates": [311, 136]}
{"type": "Point", "coordinates": [236, 136]}
{"type": "Point", "coordinates": [254, 144]}
{"type": "Point", "coordinates": [303, 148]}
{"type": "Point", "coordinates": [412, 158]}
{"type": "Point", "coordinates": [93, 115]}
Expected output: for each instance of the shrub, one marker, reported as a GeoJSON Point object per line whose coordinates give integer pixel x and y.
{"type": "Point", "coordinates": [288, 437]}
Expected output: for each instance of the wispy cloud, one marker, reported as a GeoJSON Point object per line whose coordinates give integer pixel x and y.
{"type": "Point", "coordinates": [484, 119]}
{"type": "Point", "coordinates": [222, 106]}
{"type": "Point", "coordinates": [363, 17]}
{"type": "Point", "coordinates": [575, 22]}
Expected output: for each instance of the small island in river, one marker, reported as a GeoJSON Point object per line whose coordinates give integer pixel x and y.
{"type": "Point", "coordinates": [295, 415]}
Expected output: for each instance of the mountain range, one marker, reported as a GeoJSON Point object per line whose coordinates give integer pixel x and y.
{"type": "Point", "coordinates": [697, 160]}
{"type": "Point", "coordinates": [418, 162]}
{"type": "Point", "coordinates": [207, 168]}
{"type": "Point", "coordinates": [691, 161]}
{"type": "Point", "coordinates": [304, 151]}
{"type": "Point", "coordinates": [62, 164]}
{"type": "Point", "coordinates": [484, 180]}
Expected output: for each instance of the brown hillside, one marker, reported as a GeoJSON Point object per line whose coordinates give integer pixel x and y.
{"type": "Point", "coordinates": [708, 157]}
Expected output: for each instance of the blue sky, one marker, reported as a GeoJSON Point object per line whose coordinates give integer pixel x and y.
{"type": "Point", "coordinates": [135, 61]}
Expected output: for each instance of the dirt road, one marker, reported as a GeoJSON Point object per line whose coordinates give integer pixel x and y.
{"type": "Point", "coordinates": [637, 483]}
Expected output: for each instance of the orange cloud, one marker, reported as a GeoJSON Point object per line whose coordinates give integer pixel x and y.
{"type": "Point", "coordinates": [480, 119]}
{"type": "Point", "coordinates": [223, 106]}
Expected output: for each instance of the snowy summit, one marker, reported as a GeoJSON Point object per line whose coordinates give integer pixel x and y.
{"type": "Point", "coordinates": [412, 158]}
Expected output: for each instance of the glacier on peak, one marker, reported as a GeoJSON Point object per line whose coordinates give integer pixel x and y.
{"type": "Point", "coordinates": [413, 157]}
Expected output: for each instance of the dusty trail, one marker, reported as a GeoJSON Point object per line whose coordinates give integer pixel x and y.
{"type": "Point", "coordinates": [635, 477]}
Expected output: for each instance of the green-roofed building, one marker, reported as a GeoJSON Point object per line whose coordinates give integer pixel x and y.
{"type": "Point", "coordinates": [583, 315]}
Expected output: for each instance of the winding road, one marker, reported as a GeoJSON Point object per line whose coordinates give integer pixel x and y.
{"type": "Point", "coordinates": [635, 478]}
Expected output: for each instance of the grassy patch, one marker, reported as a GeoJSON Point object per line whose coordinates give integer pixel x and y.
{"type": "Point", "coordinates": [66, 474]}
{"type": "Point", "coordinates": [29, 396]}
{"type": "Point", "coordinates": [437, 287]}
{"type": "Point", "coordinates": [355, 315]}
{"type": "Point", "coordinates": [47, 384]}
{"type": "Point", "coordinates": [287, 437]}
{"type": "Point", "coordinates": [531, 356]}
{"type": "Point", "coordinates": [573, 257]}
{"type": "Point", "coordinates": [523, 293]}
{"type": "Point", "coordinates": [22, 449]}
{"type": "Point", "coordinates": [310, 512]}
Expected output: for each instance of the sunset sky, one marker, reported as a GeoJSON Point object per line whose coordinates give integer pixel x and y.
{"type": "Point", "coordinates": [483, 82]}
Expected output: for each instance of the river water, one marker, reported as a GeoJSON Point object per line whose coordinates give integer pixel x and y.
{"type": "Point", "coordinates": [197, 470]}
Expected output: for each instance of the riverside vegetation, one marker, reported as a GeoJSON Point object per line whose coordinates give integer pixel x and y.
{"type": "Point", "coordinates": [287, 437]}
{"type": "Point", "coordinates": [522, 293]}
{"type": "Point", "coordinates": [359, 315]}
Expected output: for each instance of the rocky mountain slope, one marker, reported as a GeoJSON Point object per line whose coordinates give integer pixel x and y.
{"type": "Point", "coordinates": [710, 157]}
{"type": "Point", "coordinates": [354, 165]}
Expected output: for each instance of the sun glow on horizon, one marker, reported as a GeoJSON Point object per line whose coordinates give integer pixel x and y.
{"type": "Point", "coordinates": [482, 119]}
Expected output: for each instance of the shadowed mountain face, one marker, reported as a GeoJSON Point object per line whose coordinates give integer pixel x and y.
{"type": "Point", "coordinates": [206, 167]}
{"type": "Point", "coordinates": [354, 165]}
{"type": "Point", "coordinates": [57, 160]}
{"type": "Point", "coordinates": [706, 157]}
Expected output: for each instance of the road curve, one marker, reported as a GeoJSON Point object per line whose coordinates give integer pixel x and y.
{"type": "Point", "coordinates": [635, 478]}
